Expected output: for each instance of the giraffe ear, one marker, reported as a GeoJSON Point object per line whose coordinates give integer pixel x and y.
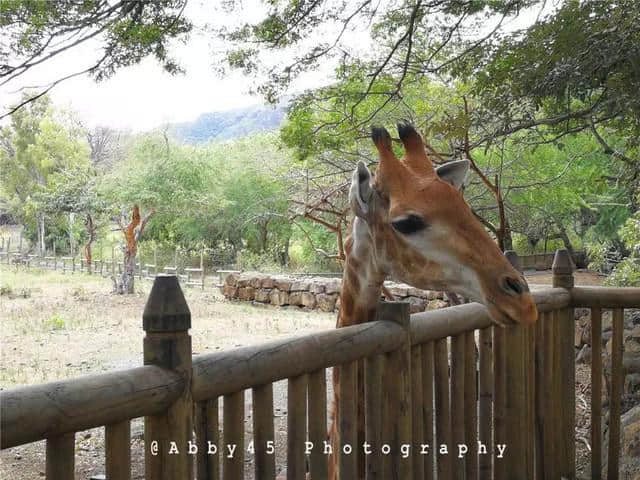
{"type": "Point", "coordinates": [360, 191]}
{"type": "Point", "coordinates": [454, 172]}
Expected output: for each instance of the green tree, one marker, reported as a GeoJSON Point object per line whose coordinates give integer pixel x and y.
{"type": "Point", "coordinates": [74, 191]}
{"type": "Point", "coordinates": [37, 143]}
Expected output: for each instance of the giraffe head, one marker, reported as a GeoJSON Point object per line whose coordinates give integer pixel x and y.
{"type": "Point", "coordinates": [422, 232]}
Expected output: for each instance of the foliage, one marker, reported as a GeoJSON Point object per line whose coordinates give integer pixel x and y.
{"type": "Point", "coordinates": [37, 148]}
{"type": "Point", "coordinates": [627, 272]}
{"type": "Point", "coordinates": [216, 195]}
{"type": "Point", "coordinates": [580, 62]}
{"type": "Point", "coordinates": [396, 37]}
{"type": "Point", "coordinates": [38, 30]}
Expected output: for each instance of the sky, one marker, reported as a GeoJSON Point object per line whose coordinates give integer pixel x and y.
{"type": "Point", "coordinates": [143, 96]}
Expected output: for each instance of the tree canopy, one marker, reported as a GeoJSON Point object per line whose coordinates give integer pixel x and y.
{"type": "Point", "coordinates": [36, 31]}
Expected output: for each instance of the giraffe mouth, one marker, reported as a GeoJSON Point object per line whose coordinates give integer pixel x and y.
{"type": "Point", "coordinates": [499, 316]}
{"type": "Point", "coordinates": [525, 313]}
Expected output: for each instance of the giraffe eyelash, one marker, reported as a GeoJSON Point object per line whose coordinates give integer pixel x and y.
{"type": "Point", "coordinates": [410, 224]}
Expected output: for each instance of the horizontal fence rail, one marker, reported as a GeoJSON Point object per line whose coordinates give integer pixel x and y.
{"type": "Point", "coordinates": [447, 376]}
{"type": "Point", "coordinates": [229, 371]}
{"type": "Point", "coordinates": [41, 411]}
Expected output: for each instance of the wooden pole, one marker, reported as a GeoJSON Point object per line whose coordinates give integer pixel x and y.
{"type": "Point", "coordinates": [155, 261]}
{"type": "Point", "coordinates": [549, 461]}
{"type": "Point", "coordinates": [485, 395]}
{"type": "Point", "coordinates": [471, 406]}
{"type": "Point", "coordinates": [347, 421]}
{"type": "Point", "coordinates": [564, 369]}
{"type": "Point", "coordinates": [443, 411]}
{"type": "Point", "coordinates": [427, 408]}
{"type": "Point", "coordinates": [518, 459]}
{"type": "Point", "coordinates": [398, 386]}
{"type": "Point", "coordinates": [233, 434]}
{"type": "Point", "coordinates": [373, 411]}
{"type": "Point", "coordinates": [60, 459]}
{"type": "Point", "coordinates": [417, 403]}
{"type": "Point", "coordinates": [208, 464]}
{"type": "Point", "coordinates": [296, 426]}
{"type": "Point", "coordinates": [317, 394]}
{"type": "Point", "coordinates": [263, 434]}
{"type": "Point", "coordinates": [596, 393]}
{"type": "Point", "coordinates": [617, 379]}
{"type": "Point", "coordinates": [117, 439]}
{"type": "Point", "coordinates": [167, 343]}
{"type": "Point", "coordinates": [457, 404]}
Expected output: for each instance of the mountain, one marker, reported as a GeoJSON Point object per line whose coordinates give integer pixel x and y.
{"type": "Point", "coordinates": [230, 124]}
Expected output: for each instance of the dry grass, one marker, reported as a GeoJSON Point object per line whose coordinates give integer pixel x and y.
{"type": "Point", "coordinates": [71, 325]}
{"type": "Point", "coordinates": [55, 326]}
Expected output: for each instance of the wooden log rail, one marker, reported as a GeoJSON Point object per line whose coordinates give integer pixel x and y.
{"type": "Point", "coordinates": [446, 377]}
{"type": "Point", "coordinates": [48, 410]}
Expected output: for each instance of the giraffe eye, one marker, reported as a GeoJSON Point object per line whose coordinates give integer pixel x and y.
{"type": "Point", "coordinates": [410, 224]}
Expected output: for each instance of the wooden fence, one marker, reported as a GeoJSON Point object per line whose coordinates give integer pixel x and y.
{"type": "Point", "coordinates": [445, 377]}
{"type": "Point", "coordinates": [105, 267]}
{"type": "Point", "coordinates": [544, 261]}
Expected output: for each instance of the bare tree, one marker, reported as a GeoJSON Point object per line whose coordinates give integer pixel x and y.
{"type": "Point", "coordinates": [132, 233]}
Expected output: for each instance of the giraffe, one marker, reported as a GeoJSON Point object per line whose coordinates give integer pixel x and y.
{"type": "Point", "coordinates": [412, 224]}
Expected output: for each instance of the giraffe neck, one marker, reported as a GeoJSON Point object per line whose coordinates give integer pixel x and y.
{"type": "Point", "coordinates": [362, 279]}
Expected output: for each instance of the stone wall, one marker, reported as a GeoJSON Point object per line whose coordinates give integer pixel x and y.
{"type": "Point", "coordinates": [314, 292]}
{"type": "Point", "coordinates": [630, 421]}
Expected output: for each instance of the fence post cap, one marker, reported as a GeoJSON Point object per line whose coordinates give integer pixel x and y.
{"type": "Point", "coordinates": [562, 269]}
{"type": "Point", "coordinates": [166, 309]}
{"type": "Point", "coordinates": [514, 260]}
{"type": "Point", "coordinates": [562, 263]}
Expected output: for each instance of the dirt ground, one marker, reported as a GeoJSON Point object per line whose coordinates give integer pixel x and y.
{"type": "Point", "coordinates": [581, 277]}
{"type": "Point", "coordinates": [71, 325]}
{"type": "Point", "coordinates": [55, 326]}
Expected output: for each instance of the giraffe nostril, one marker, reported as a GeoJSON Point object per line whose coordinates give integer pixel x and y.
{"type": "Point", "coordinates": [513, 286]}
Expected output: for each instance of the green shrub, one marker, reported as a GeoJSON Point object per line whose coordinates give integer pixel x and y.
{"type": "Point", "coordinates": [55, 322]}
{"type": "Point", "coordinates": [627, 272]}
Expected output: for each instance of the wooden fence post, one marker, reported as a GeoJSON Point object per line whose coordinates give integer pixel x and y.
{"type": "Point", "coordinates": [397, 393]}
{"type": "Point", "coordinates": [167, 343]}
{"type": "Point", "coordinates": [565, 370]}
{"type": "Point", "coordinates": [518, 420]}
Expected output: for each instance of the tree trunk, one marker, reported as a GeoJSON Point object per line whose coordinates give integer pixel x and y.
{"type": "Point", "coordinates": [565, 239]}
{"type": "Point", "coordinates": [41, 245]}
{"type": "Point", "coordinates": [127, 279]}
{"type": "Point", "coordinates": [264, 232]}
{"type": "Point", "coordinates": [71, 242]}
{"type": "Point", "coordinates": [132, 234]}
{"type": "Point", "coordinates": [91, 230]}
